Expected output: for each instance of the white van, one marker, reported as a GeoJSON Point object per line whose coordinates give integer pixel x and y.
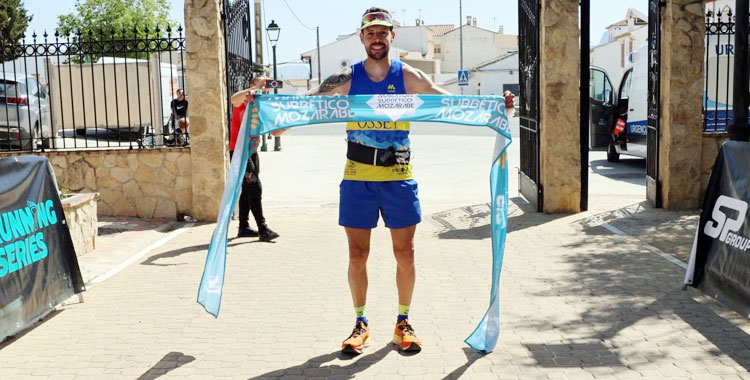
{"type": "Point", "coordinates": [606, 107]}
{"type": "Point", "coordinates": [630, 101]}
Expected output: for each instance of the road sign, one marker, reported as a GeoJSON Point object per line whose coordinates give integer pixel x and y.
{"type": "Point", "coordinates": [463, 78]}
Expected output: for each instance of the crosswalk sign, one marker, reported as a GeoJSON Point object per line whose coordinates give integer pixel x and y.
{"type": "Point", "coordinates": [463, 78]}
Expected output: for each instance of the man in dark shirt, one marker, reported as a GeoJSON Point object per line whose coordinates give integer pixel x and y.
{"type": "Point", "coordinates": [179, 112]}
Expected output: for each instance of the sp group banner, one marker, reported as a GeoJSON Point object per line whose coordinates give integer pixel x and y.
{"type": "Point", "coordinates": [273, 112]}
{"type": "Point", "coordinates": [38, 265]}
{"type": "Point", "coordinates": [720, 258]}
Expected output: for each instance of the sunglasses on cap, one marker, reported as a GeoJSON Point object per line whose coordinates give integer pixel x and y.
{"type": "Point", "coordinates": [376, 18]}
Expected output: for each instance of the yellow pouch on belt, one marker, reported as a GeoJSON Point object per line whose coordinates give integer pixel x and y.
{"type": "Point", "coordinates": [357, 171]}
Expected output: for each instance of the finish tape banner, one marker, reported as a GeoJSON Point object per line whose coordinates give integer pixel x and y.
{"type": "Point", "coordinates": [38, 265]}
{"type": "Point", "coordinates": [720, 259]}
{"type": "Point", "coordinates": [274, 112]}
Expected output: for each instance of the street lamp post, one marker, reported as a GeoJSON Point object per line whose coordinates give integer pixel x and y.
{"type": "Point", "coordinates": [273, 35]}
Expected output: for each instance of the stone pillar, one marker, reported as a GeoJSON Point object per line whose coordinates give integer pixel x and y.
{"type": "Point", "coordinates": [559, 123]}
{"type": "Point", "coordinates": [683, 53]}
{"type": "Point", "coordinates": [207, 94]}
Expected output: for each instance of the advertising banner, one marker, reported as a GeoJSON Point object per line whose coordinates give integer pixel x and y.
{"type": "Point", "coordinates": [720, 259]}
{"type": "Point", "coordinates": [38, 265]}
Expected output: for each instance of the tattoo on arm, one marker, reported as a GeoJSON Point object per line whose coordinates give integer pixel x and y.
{"type": "Point", "coordinates": [336, 80]}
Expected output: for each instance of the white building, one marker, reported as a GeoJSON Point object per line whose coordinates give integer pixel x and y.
{"type": "Point", "coordinates": [489, 78]}
{"type": "Point", "coordinates": [618, 42]}
{"type": "Point", "coordinates": [627, 35]}
{"type": "Point", "coordinates": [343, 52]}
{"type": "Point", "coordinates": [434, 49]}
{"type": "Point", "coordinates": [722, 6]}
{"type": "Point", "coordinates": [479, 45]}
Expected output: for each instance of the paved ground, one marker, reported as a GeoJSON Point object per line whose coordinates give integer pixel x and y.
{"type": "Point", "coordinates": [583, 296]}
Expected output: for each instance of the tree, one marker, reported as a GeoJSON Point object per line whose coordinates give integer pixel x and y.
{"type": "Point", "coordinates": [115, 14]}
{"type": "Point", "coordinates": [114, 20]}
{"type": "Point", "coordinates": [13, 21]}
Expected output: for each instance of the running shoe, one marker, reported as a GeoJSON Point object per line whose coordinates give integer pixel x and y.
{"type": "Point", "coordinates": [247, 232]}
{"type": "Point", "coordinates": [405, 338]}
{"type": "Point", "coordinates": [359, 339]}
{"type": "Point", "coordinates": [266, 234]}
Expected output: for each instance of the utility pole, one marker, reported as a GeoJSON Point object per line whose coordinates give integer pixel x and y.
{"type": "Point", "coordinates": [317, 32]}
{"type": "Point", "coordinates": [258, 8]}
{"type": "Point", "coordinates": [461, 37]}
{"type": "Point", "coordinates": [309, 63]}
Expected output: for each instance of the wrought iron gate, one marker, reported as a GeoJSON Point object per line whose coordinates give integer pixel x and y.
{"type": "Point", "coordinates": [720, 41]}
{"type": "Point", "coordinates": [653, 186]}
{"type": "Point", "coordinates": [528, 37]}
{"type": "Point", "coordinates": [239, 51]}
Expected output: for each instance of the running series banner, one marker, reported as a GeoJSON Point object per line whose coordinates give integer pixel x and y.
{"type": "Point", "coordinates": [271, 113]}
{"type": "Point", "coordinates": [38, 265]}
{"type": "Point", "coordinates": [720, 260]}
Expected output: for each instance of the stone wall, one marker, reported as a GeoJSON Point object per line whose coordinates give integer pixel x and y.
{"type": "Point", "coordinates": [559, 122]}
{"type": "Point", "coordinates": [167, 182]}
{"type": "Point", "coordinates": [683, 34]}
{"type": "Point", "coordinates": [80, 214]}
{"type": "Point", "coordinates": [154, 183]}
{"type": "Point", "coordinates": [709, 151]}
{"type": "Point", "coordinates": [208, 104]}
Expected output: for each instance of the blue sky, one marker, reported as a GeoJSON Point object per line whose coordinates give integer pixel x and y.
{"type": "Point", "coordinates": [336, 17]}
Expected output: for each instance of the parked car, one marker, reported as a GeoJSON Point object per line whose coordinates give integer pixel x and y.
{"type": "Point", "coordinates": [24, 112]}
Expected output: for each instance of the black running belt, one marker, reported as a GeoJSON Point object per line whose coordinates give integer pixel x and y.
{"type": "Point", "coordinates": [377, 157]}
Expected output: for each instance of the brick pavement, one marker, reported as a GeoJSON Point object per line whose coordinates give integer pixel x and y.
{"type": "Point", "coordinates": [577, 303]}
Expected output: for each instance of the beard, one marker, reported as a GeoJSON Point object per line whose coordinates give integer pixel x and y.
{"type": "Point", "coordinates": [378, 55]}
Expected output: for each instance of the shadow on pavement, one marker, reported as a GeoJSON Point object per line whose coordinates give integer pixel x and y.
{"type": "Point", "coordinates": [12, 338]}
{"type": "Point", "coordinates": [152, 260]}
{"type": "Point", "coordinates": [113, 225]}
{"type": "Point", "coordinates": [629, 289]}
{"type": "Point", "coordinates": [169, 362]}
{"type": "Point", "coordinates": [316, 367]}
{"type": "Point", "coordinates": [633, 164]}
{"type": "Point", "coordinates": [473, 222]}
{"type": "Point", "coordinates": [669, 231]}
{"type": "Point", "coordinates": [631, 170]}
{"type": "Point", "coordinates": [574, 355]}
{"type": "Point", "coordinates": [471, 357]}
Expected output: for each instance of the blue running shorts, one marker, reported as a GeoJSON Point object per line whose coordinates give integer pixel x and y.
{"type": "Point", "coordinates": [361, 202]}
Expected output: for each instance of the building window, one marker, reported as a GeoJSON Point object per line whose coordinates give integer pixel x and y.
{"type": "Point", "coordinates": [437, 49]}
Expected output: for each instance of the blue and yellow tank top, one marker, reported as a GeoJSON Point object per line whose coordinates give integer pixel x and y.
{"type": "Point", "coordinates": [378, 134]}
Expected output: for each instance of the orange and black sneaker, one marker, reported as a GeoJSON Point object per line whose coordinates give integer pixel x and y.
{"type": "Point", "coordinates": [405, 338]}
{"type": "Point", "coordinates": [359, 339]}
